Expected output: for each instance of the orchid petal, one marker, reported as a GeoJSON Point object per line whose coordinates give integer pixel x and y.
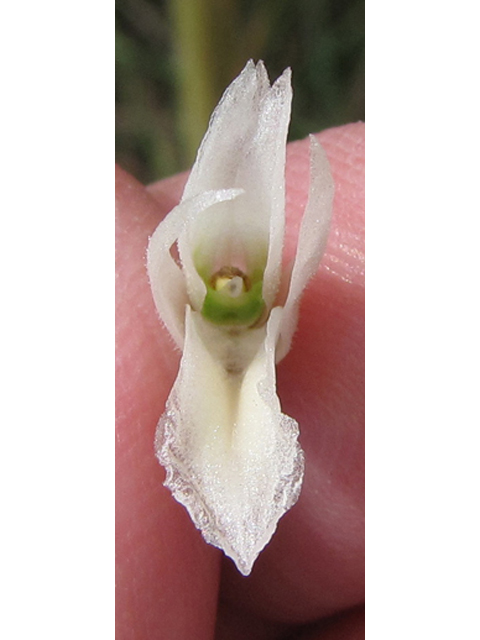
{"type": "Point", "coordinates": [167, 280]}
{"type": "Point", "coordinates": [234, 463]}
{"type": "Point", "coordinates": [312, 241]}
{"type": "Point", "coordinates": [245, 147]}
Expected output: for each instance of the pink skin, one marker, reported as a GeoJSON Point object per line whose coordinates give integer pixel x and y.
{"type": "Point", "coordinates": [168, 578]}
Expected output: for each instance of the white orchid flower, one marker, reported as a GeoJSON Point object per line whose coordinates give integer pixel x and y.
{"type": "Point", "coordinates": [231, 456]}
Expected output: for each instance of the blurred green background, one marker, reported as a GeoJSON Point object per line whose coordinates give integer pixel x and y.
{"type": "Point", "coordinates": [174, 58]}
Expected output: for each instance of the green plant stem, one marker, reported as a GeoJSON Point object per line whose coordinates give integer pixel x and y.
{"type": "Point", "coordinates": [197, 97]}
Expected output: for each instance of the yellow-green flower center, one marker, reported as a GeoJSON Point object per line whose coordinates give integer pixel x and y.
{"type": "Point", "coordinates": [233, 298]}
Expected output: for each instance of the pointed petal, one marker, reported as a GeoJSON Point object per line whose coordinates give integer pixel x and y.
{"type": "Point", "coordinates": [230, 134]}
{"type": "Point", "coordinates": [312, 240]}
{"type": "Point", "coordinates": [232, 458]}
{"type": "Point", "coordinates": [245, 147]}
{"type": "Point", "coordinates": [167, 280]}
{"type": "Point", "coordinates": [277, 114]}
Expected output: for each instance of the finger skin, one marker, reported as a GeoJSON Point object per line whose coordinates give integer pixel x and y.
{"type": "Point", "coordinates": [167, 576]}
{"type": "Point", "coordinates": [349, 625]}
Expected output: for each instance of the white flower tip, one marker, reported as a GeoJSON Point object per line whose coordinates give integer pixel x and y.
{"type": "Point", "coordinates": [284, 80]}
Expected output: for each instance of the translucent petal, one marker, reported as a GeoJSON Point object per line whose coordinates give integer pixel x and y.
{"type": "Point", "coordinates": [312, 241]}
{"type": "Point", "coordinates": [232, 457]}
{"type": "Point", "coordinates": [244, 147]}
{"type": "Point", "coordinates": [168, 282]}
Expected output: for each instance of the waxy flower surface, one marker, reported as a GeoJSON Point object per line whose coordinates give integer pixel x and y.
{"type": "Point", "coordinates": [231, 456]}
